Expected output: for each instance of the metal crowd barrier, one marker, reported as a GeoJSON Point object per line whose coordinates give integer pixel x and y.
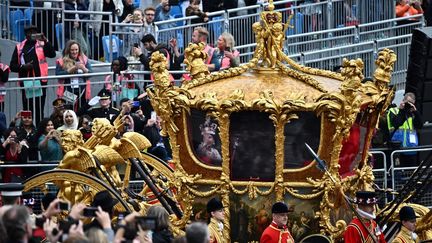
{"type": "Point", "coordinates": [13, 102]}
{"type": "Point", "coordinates": [399, 175]}
{"type": "Point", "coordinates": [308, 17]}
{"type": "Point", "coordinates": [332, 57]}
{"type": "Point", "coordinates": [381, 174]}
{"type": "Point", "coordinates": [324, 59]}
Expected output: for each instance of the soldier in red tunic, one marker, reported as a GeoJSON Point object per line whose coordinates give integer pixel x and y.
{"type": "Point", "coordinates": [277, 231]}
{"type": "Point", "coordinates": [356, 232]}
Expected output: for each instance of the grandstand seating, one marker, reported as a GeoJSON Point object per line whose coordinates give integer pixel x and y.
{"type": "Point", "coordinates": [117, 46]}
{"type": "Point", "coordinates": [59, 35]}
{"type": "Point", "coordinates": [176, 10]}
{"type": "Point", "coordinates": [17, 23]}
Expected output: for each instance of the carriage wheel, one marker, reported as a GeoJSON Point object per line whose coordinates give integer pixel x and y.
{"type": "Point", "coordinates": [75, 178]}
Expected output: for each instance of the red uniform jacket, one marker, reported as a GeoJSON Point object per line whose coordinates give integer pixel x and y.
{"type": "Point", "coordinates": [356, 233]}
{"type": "Point", "coordinates": [272, 234]}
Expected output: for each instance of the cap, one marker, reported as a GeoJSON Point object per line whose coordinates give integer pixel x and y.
{"type": "Point", "coordinates": [214, 205]}
{"type": "Point", "coordinates": [11, 189]}
{"type": "Point", "coordinates": [30, 27]}
{"type": "Point", "coordinates": [407, 213]}
{"type": "Point", "coordinates": [104, 94]}
{"type": "Point", "coordinates": [280, 207]}
{"type": "Point", "coordinates": [365, 197]}
{"type": "Point", "coordinates": [59, 102]}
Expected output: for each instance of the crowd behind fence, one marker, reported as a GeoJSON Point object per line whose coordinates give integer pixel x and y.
{"type": "Point", "coordinates": [307, 17]}
{"type": "Point", "coordinates": [323, 34]}
{"type": "Point", "coordinates": [324, 59]}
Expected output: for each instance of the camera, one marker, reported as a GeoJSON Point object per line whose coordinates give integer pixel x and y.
{"type": "Point", "coordinates": [122, 215]}
{"type": "Point", "coordinates": [146, 223]}
{"type": "Point", "coordinates": [408, 106]}
{"type": "Point", "coordinates": [65, 225]}
{"type": "Point", "coordinates": [63, 206]}
{"type": "Point", "coordinates": [37, 36]}
{"type": "Point", "coordinates": [90, 212]}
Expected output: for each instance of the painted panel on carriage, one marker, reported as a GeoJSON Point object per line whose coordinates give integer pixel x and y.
{"type": "Point", "coordinates": [252, 146]}
{"type": "Point", "coordinates": [205, 138]}
{"type": "Point", "coordinates": [249, 218]}
{"type": "Point", "coordinates": [305, 129]}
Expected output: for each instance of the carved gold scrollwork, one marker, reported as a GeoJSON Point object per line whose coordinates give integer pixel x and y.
{"type": "Point", "coordinates": [167, 100]}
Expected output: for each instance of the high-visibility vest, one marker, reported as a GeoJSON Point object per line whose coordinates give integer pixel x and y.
{"type": "Point", "coordinates": [43, 64]}
{"type": "Point", "coordinates": [60, 90]}
{"type": "Point", "coordinates": [405, 128]}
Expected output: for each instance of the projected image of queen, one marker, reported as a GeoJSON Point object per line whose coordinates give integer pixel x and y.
{"type": "Point", "coordinates": [207, 151]}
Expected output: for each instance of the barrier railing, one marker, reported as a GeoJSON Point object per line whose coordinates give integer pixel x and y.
{"type": "Point", "coordinates": [44, 14]}
{"type": "Point", "coordinates": [401, 46]}
{"type": "Point", "coordinates": [402, 173]}
{"type": "Point", "coordinates": [381, 174]}
{"type": "Point", "coordinates": [323, 59]}
{"type": "Point", "coordinates": [14, 93]}
{"type": "Point", "coordinates": [308, 17]}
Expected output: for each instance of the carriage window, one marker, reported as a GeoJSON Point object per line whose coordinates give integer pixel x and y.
{"type": "Point", "coordinates": [205, 138]}
{"type": "Point", "coordinates": [305, 129]}
{"type": "Point", "coordinates": [252, 146]}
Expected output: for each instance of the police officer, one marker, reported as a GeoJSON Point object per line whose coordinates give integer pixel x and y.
{"type": "Point", "coordinates": [11, 193]}
{"type": "Point", "coordinates": [105, 110]}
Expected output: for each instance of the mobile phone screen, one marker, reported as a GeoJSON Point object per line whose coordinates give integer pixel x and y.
{"type": "Point", "coordinates": [90, 211]}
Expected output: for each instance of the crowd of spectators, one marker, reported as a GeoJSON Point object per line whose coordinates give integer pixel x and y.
{"type": "Point", "coordinates": [98, 222]}
{"type": "Point", "coordinates": [139, 19]}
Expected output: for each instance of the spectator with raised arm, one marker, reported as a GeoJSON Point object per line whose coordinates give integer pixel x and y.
{"type": "Point", "coordinates": [74, 61]}
{"type": "Point", "coordinates": [163, 13]}
{"type": "Point", "coordinates": [151, 46]}
{"type": "Point", "coordinates": [26, 132]}
{"type": "Point", "coordinates": [224, 55]}
{"type": "Point", "coordinates": [194, 10]}
{"type": "Point", "coordinates": [128, 8]}
{"type": "Point", "coordinates": [13, 151]}
{"type": "Point", "coordinates": [49, 141]}
{"type": "Point", "coordinates": [134, 33]}
{"type": "Point", "coordinates": [403, 123]}
{"type": "Point", "coordinates": [29, 60]}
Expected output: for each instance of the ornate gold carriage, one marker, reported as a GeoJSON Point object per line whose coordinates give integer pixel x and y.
{"type": "Point", "coordinates": [240, 134]}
